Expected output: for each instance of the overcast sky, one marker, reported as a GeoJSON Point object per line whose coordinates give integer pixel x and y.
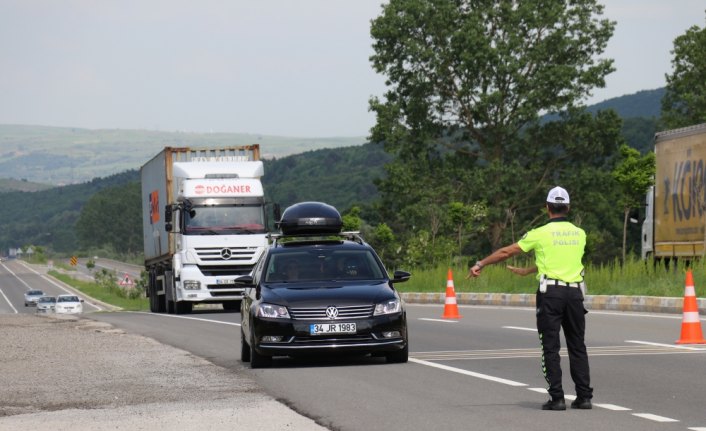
{"type": "Point", "coordinates": [295, 68]}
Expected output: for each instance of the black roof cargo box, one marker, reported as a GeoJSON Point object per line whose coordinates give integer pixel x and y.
{"type": "Point", "coordinates": [310, 218]}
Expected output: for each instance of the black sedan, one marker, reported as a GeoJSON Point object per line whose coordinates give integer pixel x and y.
{"type": "Point", "coordinates": [322, 295]}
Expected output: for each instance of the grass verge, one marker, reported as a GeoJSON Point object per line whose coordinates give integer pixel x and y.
{"type": "Point", "coordinates": [102, 294]}
{"type": "Point", "coordinates": [634, 278]}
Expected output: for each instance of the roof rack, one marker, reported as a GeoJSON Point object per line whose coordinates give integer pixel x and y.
{"type": "Point", "coordinates": [310, 237]}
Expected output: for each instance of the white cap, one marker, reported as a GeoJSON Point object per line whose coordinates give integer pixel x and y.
{"type": "Point", "coordinates": [558, 195]}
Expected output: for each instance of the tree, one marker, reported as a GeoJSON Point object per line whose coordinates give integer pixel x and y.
{"type": "Point", "coordinates": [684, 103]}
{"type": "Point", "coordinates": [467, 81]}
{"type": "Point", "coordinates": [634, 175]}
{"type": "Point", "coordinates": [111, 219]}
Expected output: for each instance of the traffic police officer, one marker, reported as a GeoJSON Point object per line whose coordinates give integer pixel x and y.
{"type": "Point", "coordinates": [558, 249]}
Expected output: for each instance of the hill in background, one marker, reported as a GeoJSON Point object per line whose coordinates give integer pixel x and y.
{"type": "Point", "coordinates": [62, 156]}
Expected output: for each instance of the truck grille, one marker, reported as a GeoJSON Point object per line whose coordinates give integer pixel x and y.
{"type": "Point", "coordinates": [224, 270]}
{"type": "Point", "coordinates": [319, 313]}
{"type": "Point", "coordinates": [226, 254]}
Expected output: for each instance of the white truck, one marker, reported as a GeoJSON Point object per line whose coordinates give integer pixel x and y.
{"type": "Point", "coordinates": [676, 205]}
{"type": "Point", "coordinates": [204, 225]}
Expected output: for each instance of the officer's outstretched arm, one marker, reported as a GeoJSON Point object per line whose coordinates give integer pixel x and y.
{"type": "Point", "coordinates": [498, 255]}
{"type": "Point", "coordinates": [522, 271]}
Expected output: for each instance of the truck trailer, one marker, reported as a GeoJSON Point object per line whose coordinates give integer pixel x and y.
{"type": "Point", "coordinates": [676, 205]}
{"type": "Point", "coordinates": [204, 225]}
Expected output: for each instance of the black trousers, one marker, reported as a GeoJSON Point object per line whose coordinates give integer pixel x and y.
{"type": "Point", "coordinates": [562, 308]}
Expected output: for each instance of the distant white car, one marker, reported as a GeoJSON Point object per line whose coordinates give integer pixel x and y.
{"type": "Point", "coordinates": [68, 304]}
{"type": "Point", "coordinates": [32, 296]}
{"type": "Point", "coordinates": [46, 304]}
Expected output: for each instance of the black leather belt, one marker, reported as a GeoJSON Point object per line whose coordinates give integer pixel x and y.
{"type": "Point", "coordinates": [559, 283]}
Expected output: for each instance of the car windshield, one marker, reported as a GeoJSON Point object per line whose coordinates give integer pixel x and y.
{"type": "Point", "coordinates": [288, 266]}
{"type": "Point", "coordinates": [35, 293]}
{"type": "Point", "coordinates": [68, 299]}
{"type": "Point", "coordinates": [47, 299]}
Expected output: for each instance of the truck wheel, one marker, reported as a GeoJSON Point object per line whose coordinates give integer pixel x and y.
{"type": "Point", "coordinates": [244, 348]}
{"type": "Point", "coordinates": [154, 301]}
{"type": "Point", "coordinates": [184, 307]}
{"type": "Point", "coordinates": [257, 360]}
{"type": "Point", "coordinates": [161, 303]}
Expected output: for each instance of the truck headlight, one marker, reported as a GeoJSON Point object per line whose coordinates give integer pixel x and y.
{"type": "Point", "coordinates": [388, 307]}
{"type": "Point", "coordinates": [272, 311]}
{"type": "Point", "coordinates": [191, 284]}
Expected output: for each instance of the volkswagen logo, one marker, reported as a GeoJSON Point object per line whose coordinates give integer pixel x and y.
{"type": "Point", "coordinates": [225, 254]}
{"type": "Point", "coordinates": [332, 312]}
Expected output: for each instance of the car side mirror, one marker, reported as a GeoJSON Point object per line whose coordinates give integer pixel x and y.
{"type": "Point", "coordinates": [243, 279]}
{"type": "Point", "coordinates": [401, 276]}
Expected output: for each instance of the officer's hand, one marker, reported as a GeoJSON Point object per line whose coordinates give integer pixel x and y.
{"type": "Point", "coordinates": [473, 271]}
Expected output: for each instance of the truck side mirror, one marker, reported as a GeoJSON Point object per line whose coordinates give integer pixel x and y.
{"type": "Point", "coordinates": [168, 218]}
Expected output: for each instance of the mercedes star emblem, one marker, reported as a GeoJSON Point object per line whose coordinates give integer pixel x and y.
{"type": "Point", "coordinates": [225, 254]}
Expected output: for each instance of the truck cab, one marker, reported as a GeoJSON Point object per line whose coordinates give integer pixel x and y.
{"type": "Point", "coordinates": [205, 224]}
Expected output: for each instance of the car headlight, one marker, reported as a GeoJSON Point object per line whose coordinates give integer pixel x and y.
{"type": "Point", "coordinates": [388, 307]}
{"type": "Point", "coordinates": [272, 311]}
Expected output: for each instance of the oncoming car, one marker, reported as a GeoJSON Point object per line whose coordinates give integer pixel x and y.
{"type": "Point", "coordinates": [318, 290]}
{"type": "Point", "coordinates": [46, 304]}
{"type": "Point", "coordinates": [68, 304]}
{"type": "Point", "coordinates": [32, 296]}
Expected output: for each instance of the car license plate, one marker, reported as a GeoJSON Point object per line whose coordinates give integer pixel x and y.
{"type": "Point", "coordinates": [332, 328]}
{"type": "Point", "coordinates": [225, 281]}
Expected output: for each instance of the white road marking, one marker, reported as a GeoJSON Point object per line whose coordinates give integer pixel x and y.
{"type": "Point", "coordinates": [438, 320]}
{"type": "Point", "coordinates": [17, 277]}
{"type": "Point", "coordinates": [613, 407]}
{"type": "Point", "coordinates": [467, 373]}
{"type": "Point", "coordinates": [8, 301]}
{"type": "Point", "coordinates": [698, 429]}
{"type": "Point", "coordinates": [520, 328]}
{"type": "Point", "coordinates": [188, 318]}
{"type": "Point", "coordinates": [655, 418]}
{"type": "Point", "coordinates": [671, 346]}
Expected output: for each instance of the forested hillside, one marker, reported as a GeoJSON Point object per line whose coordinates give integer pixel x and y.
{"type": "Point", "coordinates": [343, 177]}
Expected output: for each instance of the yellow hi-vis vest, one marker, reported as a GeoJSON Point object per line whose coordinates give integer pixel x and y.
{"type": "Point", "coordinates": [558, 249]}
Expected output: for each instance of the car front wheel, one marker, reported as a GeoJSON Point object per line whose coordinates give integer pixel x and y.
{"type": "Point", "coordinates": [244, 348]}
{"type": "Point", "coordinates": [398, 357]}
{"type": "Point", "coordinates": [257, 360]}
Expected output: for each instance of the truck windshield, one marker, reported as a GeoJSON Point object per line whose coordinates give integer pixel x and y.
{"type": "Point", "coordinates": [225, 220]}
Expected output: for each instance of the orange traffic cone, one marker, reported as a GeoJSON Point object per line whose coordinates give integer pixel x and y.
{"type": "Point", "coordinates": [450, 309]}
{"type": "Point", "coordinates": [691, 324]}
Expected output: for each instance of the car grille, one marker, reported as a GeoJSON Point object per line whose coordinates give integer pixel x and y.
{"type": "Point", "coordinates": [319, 313]}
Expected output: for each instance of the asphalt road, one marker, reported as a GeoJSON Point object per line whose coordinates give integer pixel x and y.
{"type": "Point", "coordinates": [478, 372]}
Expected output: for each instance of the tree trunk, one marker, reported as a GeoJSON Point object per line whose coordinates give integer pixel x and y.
{"type": "Point", "coordinates": [626, 210]}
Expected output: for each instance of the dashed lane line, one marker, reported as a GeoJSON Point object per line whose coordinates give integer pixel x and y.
{"type": "Point", "coordinates": [655, 418]}
{"type": "Point", "coordinates": [466, 372]}
{"type": "Point", "coordinates": [643, 348]}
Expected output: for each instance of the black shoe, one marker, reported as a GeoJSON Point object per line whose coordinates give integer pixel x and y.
{"type": "Point", "coordinates": [582, 403]}
{"type": "Point", "coordinates": [558, 404]}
